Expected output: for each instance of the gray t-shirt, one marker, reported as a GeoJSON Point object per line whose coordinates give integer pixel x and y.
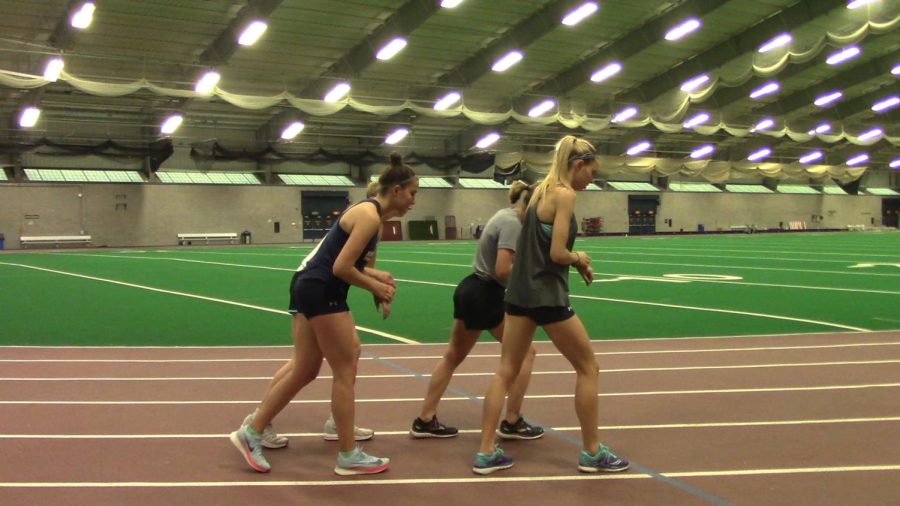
{"type": "Point", "coordinates": [501, 232]}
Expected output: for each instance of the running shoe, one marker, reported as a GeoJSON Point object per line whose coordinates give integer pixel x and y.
{"type": "Point", "coordinates": [359, 433]}
{"type": "Point", "coordinates": [360, 462]}
{"type": "Point", "coordinates": [433, 428]}
{"type": "Point", "coordinates": [603, 460]}
{"type": "Point", "coordinates": [519, 430]}
{"type": "Point", "coordinates": [270, 438]}
{"type": "Point", "coordinates": [493, 462]}
{"type": "Point", "coordinates": [249, 442]}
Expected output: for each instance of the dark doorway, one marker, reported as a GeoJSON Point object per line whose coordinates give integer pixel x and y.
{"type": "Point", "coordinates": [320, 210]}
{"type": "Point", "coordinates": [890, 212]}
{"type": "Point", "coordinates": [642, 214]}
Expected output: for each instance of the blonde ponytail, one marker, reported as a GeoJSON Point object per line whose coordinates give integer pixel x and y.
{"type": "Point", "coordinates": [567, 148]}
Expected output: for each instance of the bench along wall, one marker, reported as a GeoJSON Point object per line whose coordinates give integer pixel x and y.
{"type": "Point", "coordinates": [153, 214]}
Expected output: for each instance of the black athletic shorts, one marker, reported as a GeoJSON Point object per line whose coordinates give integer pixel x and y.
{"type": "Point", "coordinates": [543, 315]}
{"type": "Point", "coordinates": [478, 303]}
{"type": "Point", "coordinates": [313, 297]}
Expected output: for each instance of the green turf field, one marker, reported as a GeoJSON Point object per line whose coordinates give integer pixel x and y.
{"type": "Point", "coordinates": [646, 287]}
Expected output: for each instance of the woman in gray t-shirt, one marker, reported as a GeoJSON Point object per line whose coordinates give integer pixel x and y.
{"type": "Point", "coordinates": [478, 306]}
{"type": "Point", "coordinates": [538, 294]}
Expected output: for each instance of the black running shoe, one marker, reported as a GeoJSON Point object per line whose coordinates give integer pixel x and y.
{"type": "Point", "coordinates": [433, 428]}
{"type": "Point", "coordinates": [519, 430]}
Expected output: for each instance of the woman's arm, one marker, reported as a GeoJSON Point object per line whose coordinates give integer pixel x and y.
{"type": "Point", "coordinates": [363, 223]}
{"type": "Point", "coordinates": [562, 219]}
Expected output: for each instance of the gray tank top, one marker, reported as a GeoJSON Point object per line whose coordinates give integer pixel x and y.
{"type": "Point", "coordinates": [536, 280]}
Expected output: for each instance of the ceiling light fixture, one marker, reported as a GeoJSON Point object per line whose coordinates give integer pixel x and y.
{"type": "Point", "coordinates": [396, 136]}
{"type": "Point", "coordinates": [171, 124]}
{"type": "Point", "coordinates": [811, 157]}
{"type": "Point", "coordinates": [702, 151]}
{"type": "Point", "coordinates": [828, 98]}
{"type": "Point", "coordinates": [766, 89]}
{"type": "Point", "coordinates": [625, 114]}
{"type": "Point", "coordinates": [508, 60]}
{"type": "Point", "coordinates": [696, 120]}
{"type": "Point", "coordinates": [487, 141]}
{"type": "Point", "coordinates": [858, 159]}
{"type": "Point", "coordinates": [29, 117]}
{"type": "Point", "coordinates": [53, 69]}
{"type": "Point", "coordinates": [580, 14]}
{"type": "Point", "coordinates": [83, 16]}
{"type": "Point", "coordinates": [895, 163]}
{"type": "Point", "coordinates": [206, 84]}
{"type": "Point", "coordinates": [843, 55]}
{"type": "Point", "coordinates": [542, 108]}
{"type": "Point", "coordinates": [884, 105]}
{"type": "Point", "coordinates": [856, 4]}
{"type": "Point", "coordinates": [682, 29]}
{"type": "Point", "coordinates": [252, 33]}
{"type": "Point", "coordinates": [638, 148]}
{"type": "Point", "coordinates": [339, 91]}
{"type": "Point", "coordinates": [821, 129]}
{"type": "Point", "coordinates": [871, 134]}
{"type": "Point", "coordinates": [292, 130]}
{"type": "Point", "coordinates": [606, 72]}
{"type": "Point", "coordinates": [763, 125]}
{"type": "Point", "coordinates": [759, 155]}
{"type": "Point", "coordinates": [447, 100]}
{"type": "Point", "coordinates": [779, 41]}
{"type": "Point", "coordinates": [391, 49]}
{"type": "Point", "coordinates": [449, 4]}
{"type": "Point", "coordinates": [694, 83]}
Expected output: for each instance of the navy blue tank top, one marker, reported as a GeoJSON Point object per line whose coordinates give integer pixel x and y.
{"type": "Point", "coordinates": [319, 263]}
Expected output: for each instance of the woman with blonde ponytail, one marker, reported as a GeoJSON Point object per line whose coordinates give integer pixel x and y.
{"type": "Point", "coordinates": [478, 306]}
{"type": "Point", "coordinates": [538, 294]}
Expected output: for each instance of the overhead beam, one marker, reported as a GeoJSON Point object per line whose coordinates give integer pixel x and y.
{"type": "Point", "coordinates": [722, 53]}
{"type": "Point", "coordinates": [625, 47]}
{"type": "Point", "coordinates": [402, 22]}
{"type": "Point", "coordinates": [226, 44]}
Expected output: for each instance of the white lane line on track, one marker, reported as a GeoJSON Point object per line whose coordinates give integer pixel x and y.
{"type": "Point", "coordinates": [453, 481]}
{"type": "Point", "coordinates": [419, 399]}
{"type": "Point", "coordinates": [198, 297]}
{"type": "Point", "coordinates": [433, 357]}
{"type": "Point", "coordinates": [382, 433]}
{"type": "Point", "coordinates": [460, 374]}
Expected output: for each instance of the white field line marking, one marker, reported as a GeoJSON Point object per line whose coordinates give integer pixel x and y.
{"type": "Point", "coordinates": [317, 435]}
{"type": "Point", "coordinates": [693, 308]}
{"type": "Point", "coordinates": [450, 481]}
{"type": "Point", "coordinates": [433, 357]}
{"type": "Point", "coordinates": [715, 250]}
{"type": "Point", "coordinates": [461, 374]}
{"type": "Point", "coordinates": [726, 311]}
{"type": "Point", "coordinates": [199, 297]}
{"type": "Point", "coordinates": [419, 399]}
{"type": "Point", "coordinates": [721, 266]}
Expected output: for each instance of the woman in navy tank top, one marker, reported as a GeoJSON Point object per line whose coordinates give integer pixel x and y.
{"type": "Point", "coordinates": [323, 326]}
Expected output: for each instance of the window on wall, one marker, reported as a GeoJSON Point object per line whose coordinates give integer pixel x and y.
{"type": "Point", "coordinates": [3, 174]}
{"type": "Point", "coordinates": [176, 177]}
{"type": "Point", "coordinates": [426, 182]}
{"type": "Point", "coordinates": [884, 192]}
{"type": "Point", "coordinates": [471, 182]}
{"type": "Point", "coordinates": [84, 176]}
{"type": "Point", "coordinates": [315, 180]}
{"type": "Point", "coordinates": [633, 187]}
{"type": "Point", "coordinates": [833, 190]}
{"type": "Point", "coordinates": [797, 189]}
{"type": "Point", "coordinates": [694, 187]}
{"type": "Point", "coordinates": [593, 187]}
{"type": "Point", "coordinates": [747, 188]}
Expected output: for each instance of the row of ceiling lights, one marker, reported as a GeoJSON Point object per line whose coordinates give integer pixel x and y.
{"type": "Point", "coordinates": [83, 16]}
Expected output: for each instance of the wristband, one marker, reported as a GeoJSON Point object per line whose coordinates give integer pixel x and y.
{"type": "Point", "coordinates": [577, 259]}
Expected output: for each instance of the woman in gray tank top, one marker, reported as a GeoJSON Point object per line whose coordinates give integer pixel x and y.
{"type": "Point", "coordinates": [478, 306]}
{"type": "Point", "coordinates": [538, 294]}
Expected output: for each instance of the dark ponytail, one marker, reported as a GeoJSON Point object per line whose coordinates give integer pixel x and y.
{"type": "Point", "coordinates": [397, 173]}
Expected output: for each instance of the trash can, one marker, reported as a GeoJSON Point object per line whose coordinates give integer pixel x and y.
{"type": "Point", "coordinates": [245, 237]}
{"type": "Point", "coordinates": [1, 241]}
{"type": "Point", "coordinates": [701, 228]}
